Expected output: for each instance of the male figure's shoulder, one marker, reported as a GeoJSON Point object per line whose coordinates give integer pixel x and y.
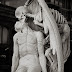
{"type": "Point", "coordinates": [15, 36]}
{"type": "Point", "coordinates": [39, 35]}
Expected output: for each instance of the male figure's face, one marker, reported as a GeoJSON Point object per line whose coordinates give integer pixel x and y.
{"type": "Point", "coordinates": [18, 26]}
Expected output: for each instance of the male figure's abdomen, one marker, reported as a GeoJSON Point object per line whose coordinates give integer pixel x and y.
{"type": "Point", "coordinates": [27, 45]}
{"type": "Point", "coordinates": [29, 63]}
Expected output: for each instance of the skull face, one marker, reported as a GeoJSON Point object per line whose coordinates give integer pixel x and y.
{"type": "Point", "coordinates": [20, 12]}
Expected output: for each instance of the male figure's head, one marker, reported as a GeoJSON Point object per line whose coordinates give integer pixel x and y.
{"type": "Point", "coordinates": [18, 26]}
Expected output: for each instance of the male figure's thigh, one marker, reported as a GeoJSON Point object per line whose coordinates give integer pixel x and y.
{"type": "Point", "coordinates": [21, 69]}
{"type": "Point", "coordinates": [34, 69]}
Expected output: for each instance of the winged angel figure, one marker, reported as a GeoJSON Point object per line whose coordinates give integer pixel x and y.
{"type": "Point", "coordinates": [47, 27]}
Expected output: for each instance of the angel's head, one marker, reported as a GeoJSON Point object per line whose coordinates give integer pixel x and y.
{"type": "Point", "coordinates": [20, 12]}
{"type": "Point", "coordinates": [18, 26]}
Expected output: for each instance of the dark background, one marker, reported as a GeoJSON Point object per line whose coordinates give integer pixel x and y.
{"type": "Point", "coordinates": [7, 21]}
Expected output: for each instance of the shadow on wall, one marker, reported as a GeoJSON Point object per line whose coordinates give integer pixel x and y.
{"type": "Point", "coordinates": [15, 3]}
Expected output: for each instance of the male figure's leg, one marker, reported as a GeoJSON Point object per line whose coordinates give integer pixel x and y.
{"type": "Point", "coordinates": [21, 69]}
{"type": "Point", "coordinates": [34, 69]}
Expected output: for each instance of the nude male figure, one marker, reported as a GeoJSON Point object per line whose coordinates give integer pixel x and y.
{"type": "Point", "coordinates": [28, 53]}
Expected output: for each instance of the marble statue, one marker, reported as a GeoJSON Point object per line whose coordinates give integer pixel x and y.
{"type": "Point", "coordinates": [34, 52]}
{"type": "Point", "coordinates": [28, 53]}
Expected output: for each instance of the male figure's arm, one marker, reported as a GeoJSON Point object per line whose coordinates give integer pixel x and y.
{"type": "Point", "coordinates": [42, 58]}
{"type": "Point", "coordinates": [15, 58]}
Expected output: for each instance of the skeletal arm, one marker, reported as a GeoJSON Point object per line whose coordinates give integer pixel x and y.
{"type": "Point", "coordinates": [38, 23]}
{"type": "Point", "coordinates": [35, 21]}
{"type": "Point", "coordinates": [30, 15]}
{"type": "Point", "coordinates": [15, 58]}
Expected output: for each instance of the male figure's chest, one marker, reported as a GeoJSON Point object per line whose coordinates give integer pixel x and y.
{"type": "Point", "coordinates": [27, 38]}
